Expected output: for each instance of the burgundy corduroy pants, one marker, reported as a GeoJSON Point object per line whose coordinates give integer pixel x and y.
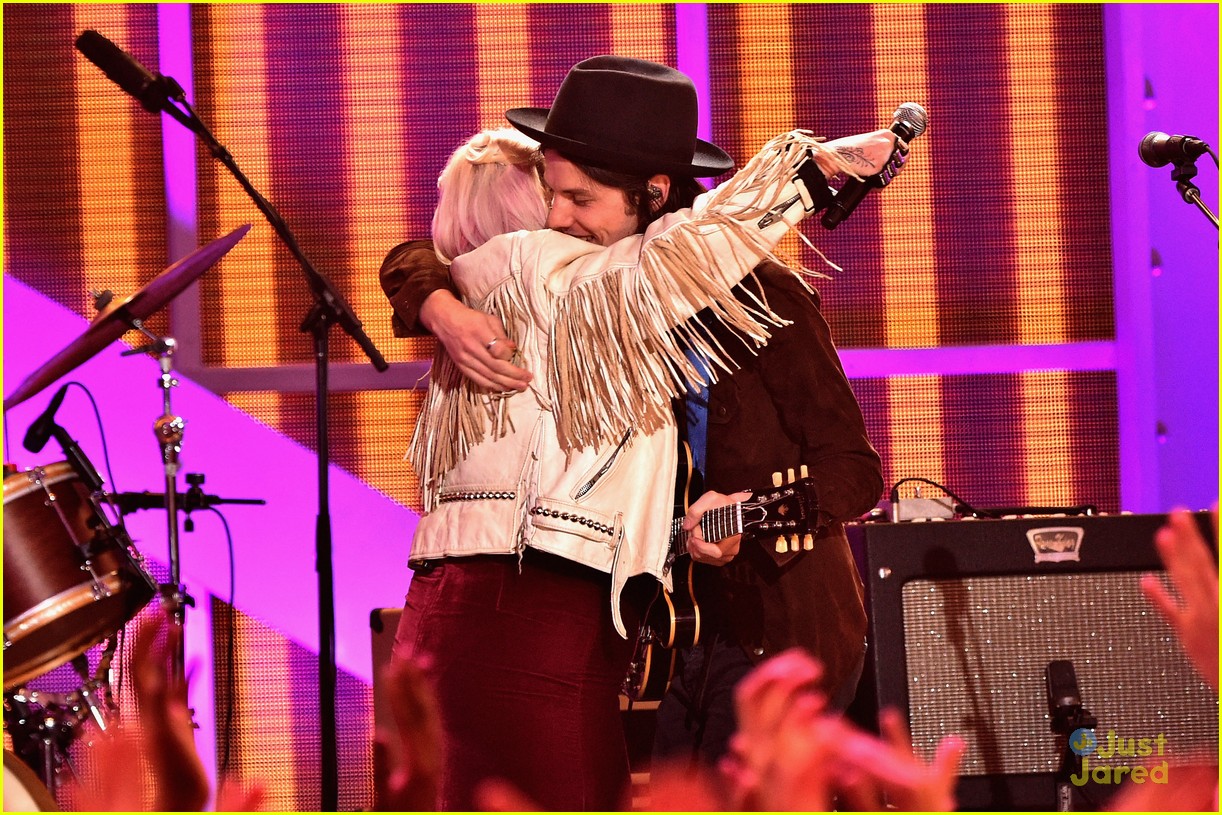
{"type": "Point", "coordinates": [527, 668]}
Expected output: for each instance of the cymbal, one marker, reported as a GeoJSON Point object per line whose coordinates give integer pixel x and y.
{"type": "Point", "coordinates": [112, 322]}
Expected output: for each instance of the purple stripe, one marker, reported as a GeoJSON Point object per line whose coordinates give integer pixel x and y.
{"type": "Point", "coordinates": [983, 439]}
{"type": "Point", "coordinates": [725, 80]}
{"type": "Point", "coordinates": [872, 395]}
{"type": "Point", "coordinates": [834, 95]}
{"type": "Point", "coordinates": [1094, 440]}
{"type": "Point", "coordinates": [1085, 214]}
{"type": "Point", "coordinates": [305, 95]}
{"type": "Point", "coordinates": [441, 96]}
{"type": "Point", "coordinates": [969, 131]}
{"type": "Point", "coordinates": [561, 36]}
{"type": "Point", "coordinates": [692, 58]}
{"type": "Point", "coordinates": [42, 220]}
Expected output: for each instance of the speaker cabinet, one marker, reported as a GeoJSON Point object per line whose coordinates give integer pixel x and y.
{"type": "Point", "coordinates": [383, 623]}
{"type": "Point", "coordinates": [966, 615]}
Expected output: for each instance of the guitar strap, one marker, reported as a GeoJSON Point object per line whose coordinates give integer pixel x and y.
{"type": "Point", "coordinates": [697, 413]}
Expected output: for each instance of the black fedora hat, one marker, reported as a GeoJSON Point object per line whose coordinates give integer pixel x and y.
{"type": "Point", "coordinates": [625, 114]}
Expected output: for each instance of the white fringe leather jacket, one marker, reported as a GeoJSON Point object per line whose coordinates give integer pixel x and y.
{"type": "Point", "coordinates": [583, 463]}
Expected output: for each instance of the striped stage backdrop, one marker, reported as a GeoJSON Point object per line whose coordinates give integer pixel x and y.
{"type": "Point", "coordinates": [972, 245]}
{"type": "Point", "coordinates": [343, 115]}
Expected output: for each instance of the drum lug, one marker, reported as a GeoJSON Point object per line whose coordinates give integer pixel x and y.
{"type": "Point", "coordinates": [98, 590]}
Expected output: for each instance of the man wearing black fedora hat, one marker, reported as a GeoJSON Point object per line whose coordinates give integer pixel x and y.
{"type": "Point", "coordinates": [621, 150]}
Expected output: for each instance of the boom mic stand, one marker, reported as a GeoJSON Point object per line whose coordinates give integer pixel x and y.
{"type": "Point", "coordinates": [1182, 174]}
{"type": "Point", "coordinates": [329, 309]}
{"type": "Point", "coordinates": [158, 93]}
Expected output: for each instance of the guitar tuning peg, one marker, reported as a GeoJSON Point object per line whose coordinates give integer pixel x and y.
{"type": "Point", "coordinates": [791, 478]}
{"type": "Point", "coordinates": [781, 546]}
{"type": "Point", "coordinates": [808, 542]}
{"type": "Point", "coordinates": [776, 479]}
{"type": "Point", "coordinates": [803, 472]}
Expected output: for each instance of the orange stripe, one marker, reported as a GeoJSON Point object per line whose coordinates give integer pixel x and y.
{"type": "Point", "coordinates": [1047, 475]}
{"type": "Point", "coordinates": [241, 125]}
{"type": "Point", "coordinates": [106, 167]}
{"type": "Point", "coordinates": [638, 30]}
{"type": "Point", "coordinates": [908, 248]}
{"type": "Point", "coordinates": [375, 176]}
{"type": "Point", "coordinates": [503, 34]}
{"type": "Point", "coordinates": [1035, 126]}
{"type": "Point", "coordinates": [766, 84]}
{"type": "Point", "coordinates": [914, 408]}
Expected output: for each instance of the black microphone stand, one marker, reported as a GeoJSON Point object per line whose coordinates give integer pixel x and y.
{"type": "Point", "coordinates": [329, 309]}
{"type": "Point", "coordinates": [1182, 174]}
{"type": "Point", "coordinates": [1067, 716]}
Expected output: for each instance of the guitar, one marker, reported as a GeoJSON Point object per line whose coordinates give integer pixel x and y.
{"type": "Point", "coordinates": [784, 516]}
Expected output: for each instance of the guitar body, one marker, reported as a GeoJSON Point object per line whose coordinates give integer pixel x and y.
{"type": "Point", "coordinates": [651, 669]}
{"type": "Point", "coordinates": [672, 619]}
{"type": "Point", "coordinates": [671, 622]}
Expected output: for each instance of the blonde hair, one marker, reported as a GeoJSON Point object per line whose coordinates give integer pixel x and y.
{"type": "Point", "coordinates": [491, 185]}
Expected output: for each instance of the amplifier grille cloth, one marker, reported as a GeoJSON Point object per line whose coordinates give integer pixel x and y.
{"type": "Point", "coordinates": [977, 649]}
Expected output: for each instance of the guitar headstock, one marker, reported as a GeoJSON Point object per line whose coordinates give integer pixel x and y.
{"type": "Point", "coordinates": [788, 512]}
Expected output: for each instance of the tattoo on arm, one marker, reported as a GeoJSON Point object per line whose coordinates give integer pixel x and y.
{"type": "Point", "coordinates": [855, 156]}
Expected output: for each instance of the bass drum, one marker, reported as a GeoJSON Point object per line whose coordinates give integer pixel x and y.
{"type": "Point", "coordinates": [71, 579]}
{"type": "Point", "coordinates": [23, 792]}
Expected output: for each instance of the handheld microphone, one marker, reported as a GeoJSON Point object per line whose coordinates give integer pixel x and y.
{"type": "Point", "coordinates": [1158, 149]}
{"type": "Point", "coordinates": [153, 91]}
{"type": "Point", "coordinates": [41, 431]}
{"type": "Point", "coordinates": [910, 121]}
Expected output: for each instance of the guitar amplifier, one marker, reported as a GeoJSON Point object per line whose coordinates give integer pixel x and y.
{"type": "Point", "coordinates": [965, 617]}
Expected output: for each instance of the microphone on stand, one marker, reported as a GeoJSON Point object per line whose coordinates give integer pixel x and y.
{"type": "Point", "coordinates": [129, 502]}
{"type": "Point", "coordinates": [44, 426]}
{"type": "Point", "coordinates": [910, 121]}
{"type": "Point", "coordinates": [153, 91]}
{"type": "Point", "coordinates": [1158, 149]}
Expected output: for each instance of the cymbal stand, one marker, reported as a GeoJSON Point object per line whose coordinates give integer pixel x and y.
{"type": "Point", "coordinates": [169, 432]}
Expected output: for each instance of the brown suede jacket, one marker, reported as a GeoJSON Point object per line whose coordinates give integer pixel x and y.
{"type": "Point", "coordinates": [791, 404]}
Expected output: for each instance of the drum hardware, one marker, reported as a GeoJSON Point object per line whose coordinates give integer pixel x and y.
{"type": "Point", "coordinates": [168, 429]}
{"type": "Point", "coordinates": [23, 790]}
{"type": "Point", "coordinates": [43, 725]}
{"type": "Point", "coordinates": [192, 500]}
{"type": "Point", "coordinates": [89, 551]}
{"type": "Point", "coordinates": [50, 615]}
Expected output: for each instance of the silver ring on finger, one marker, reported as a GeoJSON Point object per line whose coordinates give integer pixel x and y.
{"type": "Point", "coordinates": [492, 342]}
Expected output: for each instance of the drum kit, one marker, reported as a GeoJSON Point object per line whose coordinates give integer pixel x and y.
{"type": "Point", "coordinates": [73, 578]}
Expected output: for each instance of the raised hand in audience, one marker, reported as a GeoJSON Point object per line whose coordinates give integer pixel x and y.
{"type": "Point", "coordinates": [498, 795]}
{"type": "Point", "coordinates": [1188, 788]}
{"type": "Point", "coordinates": [681, 787]}
{"type": "Point", "coordinates": [778, 706]}
{"type": "Point", "coordinates": [1193, 570]}
{"type": "Point", "coordinates": [407, 763]}
{"type": "Point", "coordinates": [885, 773]}
{"type": "Point", "coordinates": [792, 754]}
{"type": "Point", "coordinates": [163, 739]}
